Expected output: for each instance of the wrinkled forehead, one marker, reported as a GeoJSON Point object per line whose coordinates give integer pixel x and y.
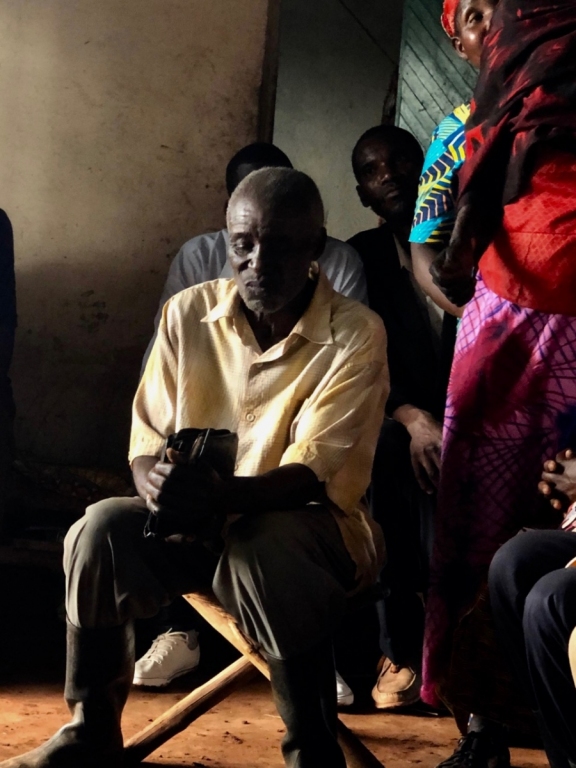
{"type": "Point", "coordinates": [248, 212]}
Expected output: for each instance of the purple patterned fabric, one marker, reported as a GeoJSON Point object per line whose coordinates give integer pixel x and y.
{"type": "Point", "coordinates": [511, 405]}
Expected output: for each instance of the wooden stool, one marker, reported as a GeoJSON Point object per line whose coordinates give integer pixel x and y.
{"type": "Point", "coordinates": [207, 696]}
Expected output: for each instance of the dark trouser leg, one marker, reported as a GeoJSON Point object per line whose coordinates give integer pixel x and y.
{"type": "Point", "coordinates": [533, 601]}
{"type": "Point", "coordinates": [404, 513]}
{"type": "Point", "coordinates": [113, 576]}
{"type": "Point", "coordinates": [304, 689]}
{"type": "Point", "coordinates": [283, 576]}
{"type": "Point", "coordinates": [179, 616]}
{"type": "Point", "coordinates": [99, 668]}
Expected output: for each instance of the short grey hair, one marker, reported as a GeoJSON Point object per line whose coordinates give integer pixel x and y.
{"type": "Point", "coordinates": [283, 189]}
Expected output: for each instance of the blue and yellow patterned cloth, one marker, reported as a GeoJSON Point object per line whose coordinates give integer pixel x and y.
{"type": "Point", "coordinates": [435, 209]}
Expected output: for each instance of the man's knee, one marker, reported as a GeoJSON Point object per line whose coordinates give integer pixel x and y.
{"type": "Point", "coordinates": [281, 566]}
{"type": "Point", "coordinates": [271, 549]}
{"type": "Point", "coordinates": [513, 560]}
{"type": "Point", "coordinates": [550, 604]}
{"type": "Point", "coordinates": [254, 541]}
{"type": "Point", "coordinates": [103, 522]}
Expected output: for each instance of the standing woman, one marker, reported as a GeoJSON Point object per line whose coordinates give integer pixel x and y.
{"type": "Point", "coordinates": [466, 22]}
{"type": "Point", "coordinates": [512, 396]}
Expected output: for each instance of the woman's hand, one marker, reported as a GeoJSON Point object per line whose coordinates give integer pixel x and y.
{"type": "Point", "coordinates": [454, 272]}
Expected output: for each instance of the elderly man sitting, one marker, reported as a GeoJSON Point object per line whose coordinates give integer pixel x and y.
{"type": "Point", "coordinates": [299, 373]}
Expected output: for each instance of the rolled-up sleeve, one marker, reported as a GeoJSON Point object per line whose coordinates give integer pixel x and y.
{"type": "Point", "coordinates": [336, 431]}
{"type": "Point", "coordinates": [154, 408]}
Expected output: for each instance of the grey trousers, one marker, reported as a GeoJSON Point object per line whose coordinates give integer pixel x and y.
{"type": "Point", "coordinates": [282, 575]}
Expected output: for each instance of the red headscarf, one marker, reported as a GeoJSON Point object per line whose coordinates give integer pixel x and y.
{"type": "Point", "coordinates": [525, 95]}
{"type": "Point", "coordinates": [448, 18]}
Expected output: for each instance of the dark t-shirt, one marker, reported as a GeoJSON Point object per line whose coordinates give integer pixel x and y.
{"type": "Point", "coordinates": [418, 368]}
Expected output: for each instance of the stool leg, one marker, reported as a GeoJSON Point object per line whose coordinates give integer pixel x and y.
{"type": "Point", "coordinates": [357, 755]}
{"type": "Point", "coordinates": [179, 717]}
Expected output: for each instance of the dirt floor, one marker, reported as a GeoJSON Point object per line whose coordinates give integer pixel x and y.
{"type": "Point", "coordinates": [242, 732]}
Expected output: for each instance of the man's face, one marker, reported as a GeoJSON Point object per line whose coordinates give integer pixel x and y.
{"type": "Point", "coordinates": [270, 253]}
{"type": "Point", "coordinates": [387, 179]}
{"type": "Point", "coordinates": [472, 25]}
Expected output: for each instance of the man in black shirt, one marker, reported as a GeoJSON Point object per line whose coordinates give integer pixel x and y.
{"type": "Point", "coordinates": [387, 163]}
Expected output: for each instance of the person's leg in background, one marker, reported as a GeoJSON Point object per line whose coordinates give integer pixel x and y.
{"type": "Point", "coordinates": [172, 645]}
{"type": "Point", "coordinates": [405, 514]}
{"type": "Point", "coordinates": [533, 600]}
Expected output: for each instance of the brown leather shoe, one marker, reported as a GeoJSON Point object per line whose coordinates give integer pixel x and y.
{"type": "Point", "coordinates": [396, 686]}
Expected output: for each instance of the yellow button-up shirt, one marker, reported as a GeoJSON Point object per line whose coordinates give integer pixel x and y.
{"type": "Point", "coordinates": [315, 398]}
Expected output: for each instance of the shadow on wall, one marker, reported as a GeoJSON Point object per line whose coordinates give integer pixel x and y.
{"type": "Point", "coordinates": [117, 123]}
{"type": "Point", "coordinates": [74, 407]}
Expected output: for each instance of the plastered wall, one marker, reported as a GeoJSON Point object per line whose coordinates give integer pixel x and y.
{"type": "Point", "coordinates": [117, 121]}
{"type": "Point", "coordinates": [337, 59]}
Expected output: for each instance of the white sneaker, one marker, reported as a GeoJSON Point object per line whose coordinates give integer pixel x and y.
{"type": "Point", "coordinates": [171, 655]}
{"type": "Point", "coordinates": [343, 692]}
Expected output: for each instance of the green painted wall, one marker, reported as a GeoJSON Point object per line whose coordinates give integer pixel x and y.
{"type": "Point", "coordinates": [433, 80]}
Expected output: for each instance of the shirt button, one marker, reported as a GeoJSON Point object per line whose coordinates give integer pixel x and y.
{"type": "Point", "coordinates": [250, 417]}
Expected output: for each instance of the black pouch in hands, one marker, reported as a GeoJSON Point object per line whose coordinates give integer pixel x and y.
{"type": "Point", "coordinates": [218, 449]}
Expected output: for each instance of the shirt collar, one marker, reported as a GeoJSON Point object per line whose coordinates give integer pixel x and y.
{"type": "Point", "coordinates": [315, 323]}
{"type": "Point", "coordinates": [226, 307]}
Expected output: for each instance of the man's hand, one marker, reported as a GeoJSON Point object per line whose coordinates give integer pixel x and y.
{"type": "Point", "coordinates": [558, 482]}
{"type": "Point", "coordinates": [194, 490]}
{"type": "Point", "coordinates": [423, 256]}
{"type": "Point", "coordinates": [454, 272]}
{"type": "Point", "coordinates": [425, 444]}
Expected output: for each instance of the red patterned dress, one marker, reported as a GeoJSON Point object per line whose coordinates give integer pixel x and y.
{"type": "Point", "coordinates": [512, 395]}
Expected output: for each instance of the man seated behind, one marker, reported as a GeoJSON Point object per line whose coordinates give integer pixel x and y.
{"type": "Point", "coordinates": [204, 257]}
{"type": "Point", "coordinates": [532, 583]}
{"type": "Point", "coordinates": [387, 161]}
{"type": "Point", "coordinates": [299, 373]}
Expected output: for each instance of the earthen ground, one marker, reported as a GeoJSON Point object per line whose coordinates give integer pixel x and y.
{"type": "Point", "coordinates": [242, 732]}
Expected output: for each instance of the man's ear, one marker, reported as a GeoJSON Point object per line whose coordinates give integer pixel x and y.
{"type": "Point", "coordinates": [458, 47]}
{"type": "Point", "coordinates": [321, 244]}
{"type": "Point", "coordinates": [362, 197]}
